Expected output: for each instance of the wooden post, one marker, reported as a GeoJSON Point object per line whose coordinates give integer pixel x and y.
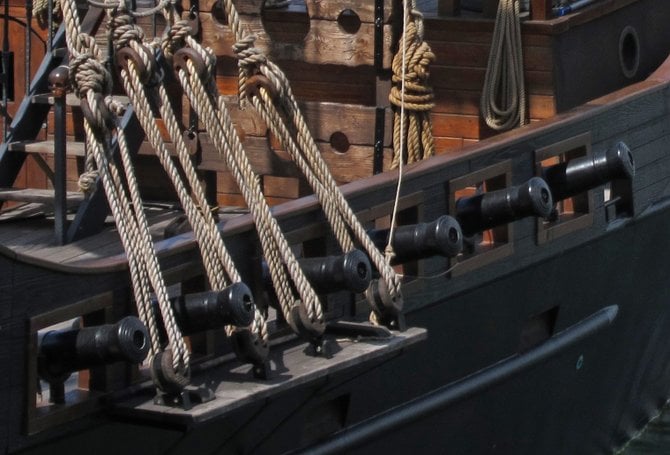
{"type": "Point", "coordinates": [448, 7]}
{"type": "Point", "coordinates": [540, 10]}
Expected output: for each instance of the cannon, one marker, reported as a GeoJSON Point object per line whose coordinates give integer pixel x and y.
{"type": "Point", "coordinates": [442, 237]}
{"type": "Point", "coordinates": [487, 210]}
{"type": "Point", "coordinates": [208, 310]}
{"type": "Point", "coordinates": [61, 352]}
{"type": "Point", "coordinates": [584, 173]}
{"type": "Point", "coordinates": [350, 272]}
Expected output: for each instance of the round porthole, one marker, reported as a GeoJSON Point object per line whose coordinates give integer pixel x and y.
{"type": "Point", "coordinates": [629, 52]}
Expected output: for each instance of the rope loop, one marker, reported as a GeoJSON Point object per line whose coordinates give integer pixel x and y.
{"type": "Point", "coordinates": [503, 101]}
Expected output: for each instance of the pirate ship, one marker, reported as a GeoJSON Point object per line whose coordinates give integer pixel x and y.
{"type": "Point", "coordinates": [238, 227]}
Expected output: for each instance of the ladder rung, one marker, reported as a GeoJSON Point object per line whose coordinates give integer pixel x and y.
{"type": "Point", "coordinates": [47, 147]}
{"type": "Point", "coordinates": [70, 99]}
{"type": "Point", "coordinates": [37, 195]}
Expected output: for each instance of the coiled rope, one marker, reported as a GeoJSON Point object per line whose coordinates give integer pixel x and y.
{"type": "Point", "coordinates": [411, 95]}
{"type": "Point", "coordinates": [503, 102]}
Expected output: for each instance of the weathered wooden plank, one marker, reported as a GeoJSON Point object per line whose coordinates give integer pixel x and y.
{"type": "Point", "coordinates": [317, 9]}
{"type": "Point", "coordinates": [35, 195]}
{"type": "Point", "coordinates": [323, 119]}
{"type": "Point", "coordinates": [325, 42]}
{"type": "Point", "coordinates": [476, 55]}
{"type": "Point", "coordinates": [355, 163]}
{"type": "Point", "coordinates": [465, 78]}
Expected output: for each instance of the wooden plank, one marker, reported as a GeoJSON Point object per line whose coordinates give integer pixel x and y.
{"type": "Point", "coordinates": [325, 43]}
{"type": "Point", "coordinates": [462, 78]}
{"type": "Point", "coordinates": [317, 9]}
{"type": "Point", "coordinates": [354, 164]}
{"type": "Point", "coordinates": [35, 195]}
{"type": "Point", "coordinates": [46, 147]}
{"type": "Point", "coordinates": [323, 119]}
{"type": "Point", "coordinates": [476, 55]}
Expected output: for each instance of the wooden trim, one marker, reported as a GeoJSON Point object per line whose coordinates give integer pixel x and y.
{"type": "Point", "coordinates": [496, 251]}
{"type": "Point", "coordinates": [549, 231]}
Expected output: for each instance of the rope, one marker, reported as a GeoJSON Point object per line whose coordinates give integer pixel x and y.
{"type": "Point", "coordinates": [92, 82]}
{"type": "Point", "coordinates": [287, 123]}
{"type": "Point", "coordinates": [210, 108]}
{"type": "Point", "coordinates": [503, 102]}
{"type": "Point", "coordinates": [41, 8]}
{"type": "Point", "coordinates": [219, 266]}
{"type": "Point", "coordinates": [411, 95]}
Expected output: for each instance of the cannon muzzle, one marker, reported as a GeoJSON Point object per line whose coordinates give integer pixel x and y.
{"type": "Point", "coordinates": [495, 208]}
{"type": "Point", "coordinates": [442, 237]}
{"type": "Point", "coordinates": [63, 351]}
{"type": "Point", "coordinates": [587, 172]}
{"type": "Point", "coordinates": [207, 310]}
{"type": "Point", "coordinates": [350, 272]}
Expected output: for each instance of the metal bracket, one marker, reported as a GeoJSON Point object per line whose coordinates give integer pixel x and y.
{"type": "Point", "coordinates": [379, 35]}
{"type": "Point", "coordinates": [378, 158]}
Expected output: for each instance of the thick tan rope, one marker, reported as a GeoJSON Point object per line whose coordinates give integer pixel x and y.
{"type": "Point", "coordinates": [411, 113]}
{"type": "Point", "coordinates": [291, 128]}
{"type": "Point", "coordinates": [216, 258]}
{"type": "Point", "coordinates": [92, 82]}
{"type": "Point", "coordinates": [503, 102]}
{"type": "Point", "coordinates": [209, 105]}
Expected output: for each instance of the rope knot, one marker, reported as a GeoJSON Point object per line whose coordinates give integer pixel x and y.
{"type": "Point", "coordinates": [250, 57]}
{"type": "Point", "coordinates": [88, 74]}
{"type": "Point", "coordinates": [87, 181]}
{"type": "Point", "coordinates": [175, 38]}
{"type": "Point", "coordinates": [412, 95]}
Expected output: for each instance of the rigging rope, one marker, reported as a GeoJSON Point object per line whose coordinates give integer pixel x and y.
{"type": "Point", "coordinates": [503, 102]}
{"type": "Point", "coordinates": [200, 88]}
{"type": "Point", "coordinates": [273, 99]}
{"type": "Point", "coordinates": [92, 83]}
{"type": "Point", "coordinates": [411, 95]}
{"type": "Point", "coordinates": [141, 88]}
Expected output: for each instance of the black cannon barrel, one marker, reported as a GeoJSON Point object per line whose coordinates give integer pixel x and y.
{"type": "Point", "coordinates": [442, 237]}
{"type": "Point", "coordinates": [583, 173]}
{"type": "Point", "coordinates": [487, 210]}
{"type": "Point", "coordinates": [63, 351]}
{"type": "Point", "coordinates": [207, 310]}
{"type": "Point", "coordinates": [350, 271]}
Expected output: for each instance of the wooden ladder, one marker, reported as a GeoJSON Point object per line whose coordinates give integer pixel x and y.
{"type": "Point", "coordinates": [21, 142]}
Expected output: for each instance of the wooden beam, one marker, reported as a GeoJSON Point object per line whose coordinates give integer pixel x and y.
{"type": "Point", "coordinates": [540, 10]}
